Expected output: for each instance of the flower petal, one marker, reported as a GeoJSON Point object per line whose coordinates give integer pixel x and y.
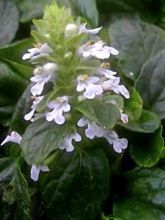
{"type": "Point", "coordinates": [14, 137]}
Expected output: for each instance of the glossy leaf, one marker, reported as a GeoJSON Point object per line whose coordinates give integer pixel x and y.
{"type": "Point", "coordinates": [40, 139]}
{"type": "Point", "coordinates": [9, 18]}
{"type": "Point", "coordinates": [151, 84]}
{"type": "Point", "coordinates": [77, 184]}
{"type": "Point", "coordinates": [145, 196]}
{"type": "Point", "coordinates": [88, 9]}
{"type": "Point", "coordinates": [146, 149]}
{"type": "Point", "coordinates": [137, 42]}
{"type": "Point", "coordinates": [22, 195]}
{"type": "Point", "coordinates": [104, 114]}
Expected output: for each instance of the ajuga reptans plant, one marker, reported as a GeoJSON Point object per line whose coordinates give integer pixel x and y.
{"type": "Point", "coordinates": [73, 88]}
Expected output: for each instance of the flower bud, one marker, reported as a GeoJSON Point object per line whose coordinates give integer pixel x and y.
{"type": "Point", "coordinates": [70, 30]}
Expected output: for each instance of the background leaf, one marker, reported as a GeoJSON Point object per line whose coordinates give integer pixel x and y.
{"type": "Point", "coordinates": [151, 84]}
{"type": "Point", "coordinates": [9, 18]}
{"type": "Point", "coordinates": [146, 149]}
{"type": "Point", "coordinates": [31, 9]}
{"type": "Point", "coordinates": [137, 42]}
{"type": "Point", "coordinates": [77, 184]}
{"type": "Point", "coordinates": [145, 195]}
{"type": "Point", "coordinates": [88, 9]}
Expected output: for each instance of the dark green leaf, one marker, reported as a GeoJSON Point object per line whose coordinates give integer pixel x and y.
{"type": "Point", "coordinates": [147, 123]}
{"type": "Point", "coordinates": [145, 196]}
{"type": "Point", "coordinates": [9, 18]}
{"type": "Point", "coordinates": [133, 106]}
{"type": "Point", "coordinates": [104, 114]}
{"type": "Point", "coordinates": [151, 84]}
{"type": "Point", "coordinates": [14, 51]}
{"type": "Point", "coordinates": [40, 139]}
{"type": "Point", "coordinates": [137, 42]}
{"type": "Point", "coordinates": [146, 149]}
{"type": "Point", "coordinates": [77, 184]}
{"type": "Point", "coordinates": [22, 107]}
{"type": "Point", "coordinates": [7, 169]}
{"type": "Point", "coordinates": [22, 195]}
{"type": "Point", "coordinates": [88, 9]}
{"type": "Point", "coordinates": [31, 9]}
{"type": "Point", "coordinates": [12, 85]}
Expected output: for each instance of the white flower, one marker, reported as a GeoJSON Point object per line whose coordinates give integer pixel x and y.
{"type": "Point", "coordinates": [98, 50]}
{"type": "Point", "coordinates": [43, 75]}
{"type": "Point", "coordinates": [123, 117]}
{"type": "Point", "coordinates": [36, 101]}
{"type": "Point", "coordinates": [37, 52]}
{"type": "Point", "coordinates": [106, 73]}
{"type": "Point", "coordinates": [113, 138]}
{"type": "Point", "coordinates": [83, 29]}
{"type": "Point", "coordinates": [67, 141]}
{"type": "Point", "coordinates": [14, 137]}
{"type": "Point", "coordinates": [92, 129]}
{"type": "Point", "coordinates": [35, 171]}
{"type": "Point", "coordinates": [59, 106]}
{"type": "Point", "coordinates": [73, 29]}
{"type": "Point", "coordinates": [113, 85]}
{"type": "Point", "coordinates": [89, 84]}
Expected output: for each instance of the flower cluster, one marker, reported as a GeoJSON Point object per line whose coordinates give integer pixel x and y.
{"type": "Point", "coordinates": [91, 85]}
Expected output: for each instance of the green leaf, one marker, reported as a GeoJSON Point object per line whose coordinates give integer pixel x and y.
{"type": "Point", "coordinates": [22, 195]}
{"type": "Point", "coordinates": [40, 139]}
{"type": "Point", "coordinates": [134, 105]}
{"type": "Point", "coordinates": [137, 42]}
{"type": "Point", "coordinates": [88, 9]}
{"type": "Point", "coordinates": [146, 149]}
{"type": "Point", "coordinates": [77, 184]}
{"type": "Point", "coordinates": [14, 51]}
{"type": "Point", "coordinates": [104, 114]}
{"type": "Point", "coordinates": [9, 18]}
{"type": "Point", "coordinates": [7, 169]}
{"type": "Point", "coordinates": [147, 123]}
{"type": "Point", "coordinates": [145, 195]}
{"type": "Point", "coordinates": [31, 9]}
{"type": "Point", "coordinates": [22, 107]}
{"type": "Point", "coordinates": [12, 85]}
{"type": "Point", "coordinates": [151, 84]}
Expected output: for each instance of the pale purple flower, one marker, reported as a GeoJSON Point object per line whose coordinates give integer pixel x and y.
{"type": "Point", "coordinates": [83, 29]}
{"type": "Point", "coordinates": [123, 117]}
{"type": "Point", "coordinates": [59, 106]}
{"type": "Point", "coordinates": [92, 129]}
{"type": "Point", "coordinates": [43, 75]}
{"type": "Point", "coordinates": [89, 84]}
{"type": "Point", "coordinates": [36, 101]}
{"type": "Point", "coordinates": [14, 137]}
{"type": "Point", "coordinates": [113, 85]}
{"type": "Point", "coordinates": [67, 141]}
{"type": "Point", "coordinates": [98, 50]}
{"type": "Point", "coordinates": [37, 52]}
{"type": "Point", "coordinates": [109, 74]}
{"type": "Point", "coordinates": [72, 29]}
{"type": "Point", "coordinates": [35, 171]}
{"type": "Point", "coordinates": [118, 144]}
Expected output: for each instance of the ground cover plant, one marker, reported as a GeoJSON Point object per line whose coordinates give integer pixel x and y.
{"type": "Point", "coordinates": [82, 109]}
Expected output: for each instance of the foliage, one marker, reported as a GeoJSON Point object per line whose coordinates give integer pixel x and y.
{"type": "Point", "coordinates": [93, 181]}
